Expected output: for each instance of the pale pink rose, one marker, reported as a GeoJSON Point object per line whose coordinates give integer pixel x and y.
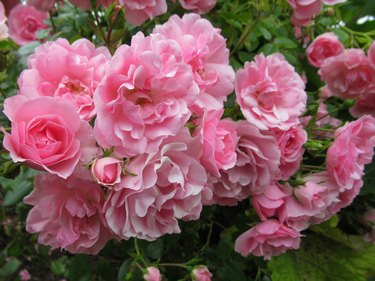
{"type": "Point", "coordinates": [349, 74]}
{"type": "Point", "coordinates": [198, 6]}
{"type": "Point", "coordinates": [290, 143]}
{"type": "Point", "coordinates": [144, 97]}
{"type": "Point", "coordinates": [201, 273]}
{"type": "Point", "coordinates": [107, 170]}
{"type": "Point", "coordinates": [157, 190]}
{"type": "Point", "coordinates": [24, 22]}
{"type": "Point", "coordinates": [24, 273]}
{"type": "Point", "coordinates": [325, 93]}
{"type": "Point", "coordinates": [47, 134]}
{"type": "Point", "coordinates": [152, 274]}
{"type": "Point", "coordinates": [204, 49]}
{"type": "Point", "coordinates": [219, 141]}
{"type": "Point", "coordinates": [304, 11]}
{"type": "Point", "coordinates": [352, 148]}
{"type": "Point", "coordinates": [324, 46]}
{"type": "Point", "coordinates": [77, 70]}
{"type": "Point", "coordinates": [67, 214]}
{"type": "Point", "coordinates": [268, 238]}
{"type": "Point", "coordinates": [86, 4]}
{"type": "Point", "coordinates": [270, 93]}
{"type": "Point", "coordinates": [41, 5]}
{"type": "Point", "coordinates": [371, 54]}
{"type": "Point", "coordinates": [3, 27]}
{"type": "Point", "coordinates": [273, 197]}
{"type": "Point", "coordinates": [138, 11]}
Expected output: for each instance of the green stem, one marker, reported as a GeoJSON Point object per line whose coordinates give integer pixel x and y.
{"type": "Point", "coordinates": [52, 21]}
{"type": "Point", "coordinates": [181, 265]}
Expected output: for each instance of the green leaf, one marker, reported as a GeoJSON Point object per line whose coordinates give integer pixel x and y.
{"type": "Point", "coordinates": [79, 269]}
{"type": "Point", "coordinates": [124, 270]}
{"type": "Point", "coordinates": [10, 267]}
{"type": "Point", "coordinates": [155, 249]}
{"type": "Point", "coordinates": [58, 266]}
{"type": "Point", "coordinates": [106, 270]}
{"type": "Point", "coordinates": [284, 42]}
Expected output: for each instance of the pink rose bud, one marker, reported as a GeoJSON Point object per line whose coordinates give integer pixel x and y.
{"type": "Point", "coordinates": [24, 275]}
{"type": "Point", "coordinates": [107, 170]}
{"type": "Point", "coordinates": [324, 46]}
{"type": "Point", "coordinates": [201, 273]}
{"type": "Point", "coordinates": [153, 274]}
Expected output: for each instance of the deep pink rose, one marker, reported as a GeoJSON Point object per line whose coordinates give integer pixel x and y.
{"type": "Point", "coordinates": [290, 143]}
{"type": "Point", "coordinates": [157, 190]}
{"type": "Point", "coordinates": [152, 274]}
{"type": "Point", "coordinates": [352, 148]}
{"type": "Point", "coordinates": [324, 46]}
{"type": "Point", "coordinates": [364, 105]}
{"type": "Point", "coordinates": [41, 5]}
{"type": "Point", "coordinates": [67, 214]}
{"type": "Point", "coordinates": [304, 10]}
{"type": "Point", "coordinates": [77, 70]}
{"type": "Point", "coordinates": [273, 197]}
{"type": "Point", "coordinates": [138, 11]}
{"type": "Point", "coordinates": [3, 27]}
{"type": "Point", "coordinates": [107, 170]}
{"type": "Point", "coordinates": [219, 141]}
{"type": "Point", "coordinates": [86, 4]}
{"type": "Point", "coordinates": [24, 22]}
{"type": "Point", "coordinates": [201, 273]}
{"type": "Point", "coordinates": [268, 238]}
{"type": "Point", "coordinates": [270, 93]}
{"type": "Point", "coordinates": [198, 6]}
{"type": "Point", "coordinates": [348, 75]}
{"type": "Point", "coordinates": [144, 97]}
{"type": "Point", "coordinates": [371, 54]}
{"type": "Point", "coordinates": [47, 134]}
{"type": "Point", "coordinates": [204, 49]}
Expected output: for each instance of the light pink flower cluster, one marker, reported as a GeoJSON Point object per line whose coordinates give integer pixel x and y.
{"type": "Point", "coordinates": [305, 10]}
{"type": "Point", "coordinates": [3, 27]}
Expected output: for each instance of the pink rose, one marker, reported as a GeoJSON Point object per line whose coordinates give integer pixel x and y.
{"type": "Point", "coordinates": [24, 273]}
{"type": "Point", "coordinates": [3, 27]}
{"type": "Point", "coordinates": [324, 46]}
{"type": "Point", "coordinates": [204, 49]}
{"type": "Point", "coordinates": [371, 54]}
{"type": "Point", "coordinates": [77, 71]}
{"type": "Point", "coordinates": [349, 74]}
{"type": "Point", "coordinates": [198, 6]}
{"type": "Point", "coordinates": [325, 93]}
{"type": "Point", "coordinates": [86, 4]}
{"type": "Point", "coordinates": [364, 105]}
{"type": "Point", "coordinates": [304, 10]}
{"type": "Point", "coordinates": [107, 171]}
{"type": "Point", "coordinates": [201, 273]}
{"type": "Point", "coordinates": [152, 274]}
{"type": "Point", "coordinates": [144, 97]}
{"type": "Point", "coordinates": [290, 143]}
{"type": "Point", "coordinates": [352, 148]}
{"type": "Point", "coordinates": [270, 93]}
{"type": "Point", "coordinates": [273, 197]}
{"type": "Point", "coordinates": [41, 5]}
{"type": "Point", "coordinates": [157, 190]}
{"type": "Point", "coordinates": [47, 134]}
{"type": "Point", "coordinates": [24, 22]}
{"type": "Point", "coordinates": [138, 11]}
{"type": "Point", "coordinates": [268, 238]}
{"type": "Point", "coordinates": [219, 141]}
{"type": "Point", "coordinates": [67, 214]}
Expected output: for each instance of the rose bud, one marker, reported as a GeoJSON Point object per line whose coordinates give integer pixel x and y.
{"type": "Point", "coordinates": [107, 170]}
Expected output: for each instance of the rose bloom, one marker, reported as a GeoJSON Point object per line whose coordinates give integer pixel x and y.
{"type": "Point", "coordinates": [47, 134]}
{"type": "Point", "coordinates": [304, 10]}
{"type": "Point", "coordinates": [107, 170]}
{"type": "Point", "coordinates": [152, 274]}
{"type": "Point", "coordinates": [24, 22]}
{"type": "Point", "coordinates": [290, 143]}
{"type": "Point", "coordinates": [41, 5]}
{"type": "Point", "coordinates": [67, 214]}
{"type": "Point", "coordinates": [86, 4]}
{"type": "Point", "coordinates": [371, 54]}
{"type": "Point", "coordinates": [201, 273]}
{"type": "Point", "coordinates": [364, 105]}
{"type": "Point", "coordinates": [270, 93]}
{"type": "Point", "coordinates": [268, 238]}
{"type": "Point", "coordinates": [352, 148]}
{"type": "Point", "coordinates": [273, 197]}
{"type": "Point", "coordinates": [157, 190]}
{"type": "Point", "coordinates": [219, 141]}
{"type": "Point", "coordinates": [198, 6]}
{"type": "Point", "coordinates": [204, 49]}
{"type": "Point", "coordinates": [324, 46]}
{"type": "Point", "coordinates": [144, 97]}
{"type": "Point", "coordinates": [77, 71]}
{"type": "Point", "coordinates": [348, 75]}
{"type": "Point", "coordinates": [138, 11]}
{"type": "Point", "coordinates": [3, 27]}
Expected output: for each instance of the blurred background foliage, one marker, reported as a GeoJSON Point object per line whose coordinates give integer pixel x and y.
{"type": "Point", "coordinates": [333, 250]}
